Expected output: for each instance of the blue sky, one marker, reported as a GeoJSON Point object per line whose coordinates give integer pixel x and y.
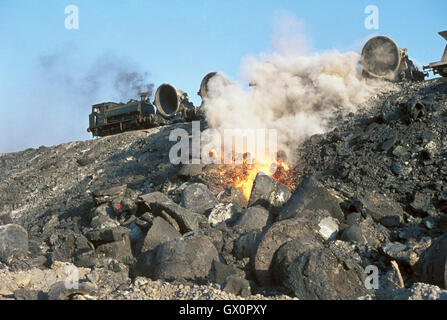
{"type": "Point", "coordinates": [175, 41]}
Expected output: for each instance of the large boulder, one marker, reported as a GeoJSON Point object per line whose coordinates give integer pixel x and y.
{"type": "Point", "coordinates": [246, 244]}
{"type": "Point", "coordinates": [366, 232]}
{"type": "Point", "coordinates": [198, 198]}
{"type": "Point", "coordinates": [222, 212]}
{"type": "Point", "coordinates": [311, 195]}
{"type": "Point", "coordinates": [326, 225]}
{"type": "Point", "coordinates": [160, 231]}
{"type": "Point", "coordinates": [237, 286]}
{"type": "Point", "coordinates": [120, 250]}
{"type": "Point", "coordinates": [433, 263]}
{"type": "Point", "coordinates": [253, 218]}
{"type": "Point", "coordinates": [319, 274]}
{"type": "Point", "coordinates": [67, 245]}
{"type": "Point", "coordinates": [220, 272]}
{"type": "Point", "coordinates": [380, 208]}
{"type": "Point", "coordinates": [146, 200]}
{"type": "Point", "coordinates": [185, 218]}
{"type": "Point", "coordinates": [290, 251]}
{"type": "Point", "coordinates": [268, 193]}
{"type": "Point", "coordinates": [185, 258]}
{"type": "Point", "coordinates": [106, 235]}
{"type": "Point", "coordinates": [272, 239]}
{"type": "Point", "coordinates": [13, 242]}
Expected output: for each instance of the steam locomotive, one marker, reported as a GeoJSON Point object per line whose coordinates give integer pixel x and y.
{"type": "Point", "coordinates": [171, 104]}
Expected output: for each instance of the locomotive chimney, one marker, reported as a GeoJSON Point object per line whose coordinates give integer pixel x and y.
{"type": "Point", "coordinates": [143, 96]}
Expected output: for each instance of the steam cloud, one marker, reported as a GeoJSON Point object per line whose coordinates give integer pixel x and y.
{"type": "Point", "coordinates": [294, 92]}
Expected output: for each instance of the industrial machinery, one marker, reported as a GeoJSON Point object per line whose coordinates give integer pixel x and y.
{"type": "Point", "coordinates": [171, 106]}
{"type": "Point", "coordinates": [440, 67]}
{"type": "Point", "coordinates": [382, 58]}
{"type": "Point", "coordinates": [110, 117]}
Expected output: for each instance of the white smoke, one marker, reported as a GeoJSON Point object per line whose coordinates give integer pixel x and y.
{"type": "Point", "coordinates": [294, 91]}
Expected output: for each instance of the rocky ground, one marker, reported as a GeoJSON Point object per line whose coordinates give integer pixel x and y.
{"type": "Point", "coordinates": [113, 212]}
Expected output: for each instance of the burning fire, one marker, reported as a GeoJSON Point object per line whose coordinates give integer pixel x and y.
{"type": "Point", "coordinates": [242, 176]}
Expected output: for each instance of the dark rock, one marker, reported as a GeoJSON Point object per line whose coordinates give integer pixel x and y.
{"type": "Point", "coordinates": [170, 220]}
{"type": "Point", "coordinates": [232, 195]}
{"type": "Point", "coordinates": [318, 274]}
{"type": "Point", "coordinates": [186, 219]}
{"type": "Point", "coordinates": [13, 242]}
{"type": "Point", "coordinates": [366, 232]}
{"type": "Point", "coordinates": [290, 251]}
{"type": "Point", "coordinates": [237, 286]}
{"type": "Point", "coordinates": [422, 291]}
{"type": "Point", "coordinates": [136, 234]}
{"type": "Point", "coordinates": [67, 245]}
{"type": "Point", "coordinates": [198, 198]}
{"type": "Point", "coordinates": [268, 193]}
{"type": "Point", "coordinates": [5, 219]}
{"type": "Point", "coordinates": [399, 152]}
{"type": "Point", "coordinates": [272, 239]}
{"type": "Point", "coordinates": [102, 217]}
{"type": "Point", "coordinates": [400, 252]}
{"type": "Point", "coordinates": [23, 294]}
{"type": "Point", "coordinates": [326, 226]}
{"type": "Point", "coordinates": [389, 143]}
{"type": "Point", "coordinates": [379, 207]}
{"type": "Point", "coordinates": [400, 169]}
{"type": "Point", "coordinates": [150, 198]}
{"type": "Point", "coordinates": [354, 218]}
{"type": "Point", "coordinates": [414, 110]}
{"type": "Point", "coordinates": [87, 259]}
{"type": "Point", "coordinates": [220, 272]}
{"type": "Point", "coordinates": [353, 233]}
{"type": "Point", "coordinates": [223, 212]}
{"type": "Point", "coordinates": [253, 218]}
{"type": "Point", "coordinates": [143, 224]}
{"type": "Point", "coordinates": [123, 207]}
{"type": "Point", "coordinates": [216, 236]}
{"type": "Point", "coordinates": [311, 195]}
{"type": "Point", "coordinates": [422, 204]}
{"type": "Point", "coordinates": [391, 221]}
{"type": "Point", "coordinates": [245, 245]}
{"type": "Point", "coordinates": [103, 196]}
{"type": "Point", "coordinates": [187, 258]}
{"type": "Point", "coordinates": [433, 263]}
{"type": "Point", "coordinates": [120, 250]}
{"type": "Point", "coordinates": [160, 231]}
{"type": "Point", "coordinates": [107, 235]}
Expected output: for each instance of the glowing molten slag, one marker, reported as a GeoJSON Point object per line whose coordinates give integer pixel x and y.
{"type": "Point", "coordinates": [242, 176]}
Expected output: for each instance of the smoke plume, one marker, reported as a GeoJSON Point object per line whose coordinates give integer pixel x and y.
{"type": "Point", "coordinates": [106, 74]}
{"type": "Point", "coordinates": [292, 91]}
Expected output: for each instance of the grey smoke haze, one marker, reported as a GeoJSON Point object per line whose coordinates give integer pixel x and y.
{"type": "Point", "coordinates": [105, 73]}
{"type": "Point", "coordinates": [53, 104]}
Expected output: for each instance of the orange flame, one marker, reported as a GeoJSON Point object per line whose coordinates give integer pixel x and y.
{"type": "Point", "coordinates": [242, 176]}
